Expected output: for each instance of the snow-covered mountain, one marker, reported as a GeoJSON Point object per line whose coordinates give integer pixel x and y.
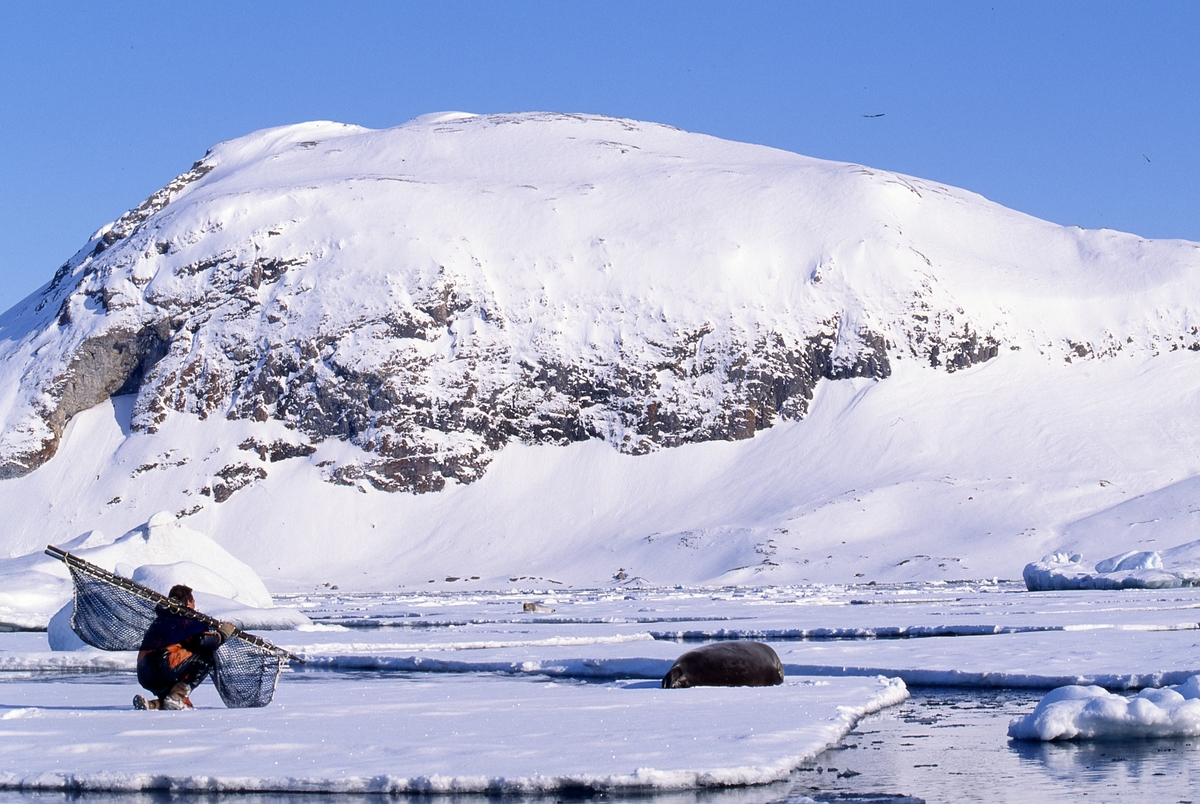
{"type": "Point", "coordinates": [607, 349]}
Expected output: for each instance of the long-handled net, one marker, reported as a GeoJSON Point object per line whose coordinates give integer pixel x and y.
{"type": "Point", "coordinates": [113, 613]}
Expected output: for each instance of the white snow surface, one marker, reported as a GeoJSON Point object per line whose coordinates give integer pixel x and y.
{"type": "Point", "coordinates": [36, 589]}
{"type": "Point", "coordinates": [1090, 713]}
{"type": "Point", "coordinates": [588, 233]}
{"type": "Point", "coordinates": [431, 734]}
{"type": "Point", "coordinates": [903, 491]}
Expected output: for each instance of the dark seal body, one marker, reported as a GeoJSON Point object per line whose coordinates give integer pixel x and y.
{"type": "Point", "coordinates": [726, 664]}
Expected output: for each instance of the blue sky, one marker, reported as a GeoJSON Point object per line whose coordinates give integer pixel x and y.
{"type": "Point", "coordinates": [1083, 113]}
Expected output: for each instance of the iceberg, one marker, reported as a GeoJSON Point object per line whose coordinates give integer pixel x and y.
{"type": "Point", "coordinates": [1094, 713]}
{"type": "Point", "coordinates": [36, 590]}
{"type": "Point", "coordinates": [1133, 569]}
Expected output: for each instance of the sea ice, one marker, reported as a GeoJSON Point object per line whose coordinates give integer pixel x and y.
{"type": "Point", "coordinates": [1133, 569]}
{"type": "Point", "coordinates": [439, 733]}
{"type": "Point", "coordinates": [410, 674]}
{"type": "Point", "coordinates": [1090, 713]}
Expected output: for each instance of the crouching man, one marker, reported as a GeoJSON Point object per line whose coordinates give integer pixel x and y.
{"type": "Point", "coordinates": [176, 655]}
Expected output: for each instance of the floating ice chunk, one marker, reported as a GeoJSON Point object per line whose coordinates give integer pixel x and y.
{"type": "Point", "coordinates": [1135, 579]}
{"type": "Point", "coordinates": [161, 577]}
{"type": "Point", "coordinates": [1093, 713]}
{"type": "Point", "coordinates": [1058, 570]}
{"type": "Point", "coordinates": [1133, 569]}
{"type": "Point", "coordinates": [59, 633]}
{"type": "Point", "coordinates": [158, 554]}
{"type": "Point", "coordinates": [1132, 560]}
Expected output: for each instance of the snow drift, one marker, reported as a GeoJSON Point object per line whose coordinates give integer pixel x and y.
{"type": "Point", "coordinates": [574, 332]}
{"type": "Point", "coordinates": [159, 554]}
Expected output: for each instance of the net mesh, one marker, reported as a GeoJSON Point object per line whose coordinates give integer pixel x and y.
{"type": "Point", "coordinates": [245, 674]}
{"type": "Point", "coordinates": [112, 618]}
{"type": "Point", "coordinates": [107, 616]}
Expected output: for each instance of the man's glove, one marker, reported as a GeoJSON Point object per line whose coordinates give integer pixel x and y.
{"type": "Point", "coordinates": [226, 629]}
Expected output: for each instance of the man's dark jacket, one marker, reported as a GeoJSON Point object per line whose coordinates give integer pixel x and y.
{"type": "Point", "coordinates": [175, 649]}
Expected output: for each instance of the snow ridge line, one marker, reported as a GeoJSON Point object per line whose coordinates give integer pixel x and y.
{"type": "Point", "coordinates": [622, 668]}
{"type": "Point", "coordinates": [645, 668]}
{"type": "Point", "coordinates": [70, 662]}
{"type": "Point", "coordinates": [1032, 681]}
{"type": "Point", "coordinates": [557, 668]}
{"type": "Point", "coordinates": [901, 632]}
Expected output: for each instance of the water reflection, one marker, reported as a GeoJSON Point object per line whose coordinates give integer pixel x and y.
{"type": "Point", "coordinates": [946, 745]}
{"type": "Point", "coordinates": [1099, 761]}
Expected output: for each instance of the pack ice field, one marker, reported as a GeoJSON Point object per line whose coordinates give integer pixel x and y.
{"type": "Point", "coordinates": [470, 693]}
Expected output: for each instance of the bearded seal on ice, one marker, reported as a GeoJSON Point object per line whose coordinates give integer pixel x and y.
{"type": "Point", "coordinates": [726, 664]}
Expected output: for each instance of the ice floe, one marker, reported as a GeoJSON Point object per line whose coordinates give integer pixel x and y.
{"type": "Point", "coordinates": [1091, 713]}
{"type": "Point", "coordinates": [442, 734]}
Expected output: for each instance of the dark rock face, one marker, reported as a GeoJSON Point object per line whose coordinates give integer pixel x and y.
{"type": "Point", "coordinates": [277, 450]}
{"type": "Point", "coordinates": [939, 338]}
{"type": "Point", "coordinates": [959, 352]}
{"type": "Point", "coordinates": [109, 365]}
{"type": "Point", "coordinates": [404, 414]}
{"type": "Point", "coordinates": [233, 478]}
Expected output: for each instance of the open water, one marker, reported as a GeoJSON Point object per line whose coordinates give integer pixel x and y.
{"type": "Point", "coordinates": [948, 745]}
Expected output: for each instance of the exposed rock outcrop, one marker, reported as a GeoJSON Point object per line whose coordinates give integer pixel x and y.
{"type": "Point", "coordinates": [431, 294]}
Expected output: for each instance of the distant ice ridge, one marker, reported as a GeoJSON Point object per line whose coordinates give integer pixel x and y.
{"type": "Point", "coordinates": [36, 590]}
{"type": "Point", "coordinates": [1092, 713]}
{"type": "Point", "coordinates": [1133, 569]}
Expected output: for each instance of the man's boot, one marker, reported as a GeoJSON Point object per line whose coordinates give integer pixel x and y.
{"type": "Point", "coordinates": [177, 698]}
{"type": "Point", "coordinates": [141, 703]}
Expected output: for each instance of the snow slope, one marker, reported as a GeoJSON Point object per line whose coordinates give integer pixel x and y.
{"type": "Point", "coordinates": [609, 350]}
